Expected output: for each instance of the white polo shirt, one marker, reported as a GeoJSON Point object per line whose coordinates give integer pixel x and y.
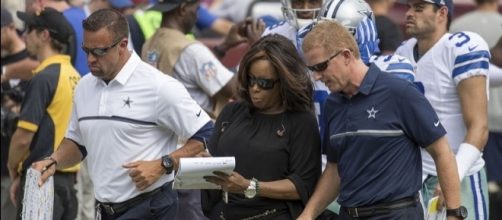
{"type": "Point", "coordinates": [137, 116]}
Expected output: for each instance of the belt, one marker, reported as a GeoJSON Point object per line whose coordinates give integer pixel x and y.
{"type": "Point", "coordinates": [118, 208]}
{"type": "Point", "coordinates": [382, 208]}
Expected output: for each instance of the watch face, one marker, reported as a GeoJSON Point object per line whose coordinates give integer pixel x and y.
{"type": "Point", "coordinates": [458, 212]}
{"type": "Point", "coordinates": [167, 163]}
{"type": "Point", "coordinates": [250, 193]}
{"type": "Point", "coordinates": [463, 212]}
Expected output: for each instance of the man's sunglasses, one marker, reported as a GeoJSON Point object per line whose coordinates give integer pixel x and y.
{"type": "Point", "coordinates": [323, 65]}
{"type": "Point", "coordinates": [99, 52]}
{"type": "Point", "coordinates": [266, 84]}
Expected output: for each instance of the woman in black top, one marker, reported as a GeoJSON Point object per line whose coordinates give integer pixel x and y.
{"type": "Point", "coordinates": [273, 134]}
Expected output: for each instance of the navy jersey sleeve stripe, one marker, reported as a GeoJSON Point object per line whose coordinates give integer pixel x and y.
{"type": "Point", "coordinates": [471, 66]}
{"type": "Point", "coordinates": [471, 56]}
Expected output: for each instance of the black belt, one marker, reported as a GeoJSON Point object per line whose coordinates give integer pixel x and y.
{"type": "Point", "coordinates": [382, 208]}
{"type": "Point", "coordinates": [118, 208]}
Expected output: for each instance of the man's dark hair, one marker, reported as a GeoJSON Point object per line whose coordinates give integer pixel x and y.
{"type": "Point", "coordinates": [112, 19]}
{"type": "Point", "coordinates": [448, 22]}
{"type": "Point", "coordinates": [57, 45]}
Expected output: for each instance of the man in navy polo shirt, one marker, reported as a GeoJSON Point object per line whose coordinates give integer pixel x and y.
{"type": "Point", "coordinates": [373, 133]}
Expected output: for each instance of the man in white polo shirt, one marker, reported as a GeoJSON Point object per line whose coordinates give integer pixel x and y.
{"type": "Point", "coordinates": [127, 118]}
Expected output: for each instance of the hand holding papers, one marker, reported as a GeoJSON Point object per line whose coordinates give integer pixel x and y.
{"type": "Point", "coordinates": [192, 170]}
{"type": "Point", "coordinates": [433, 213]}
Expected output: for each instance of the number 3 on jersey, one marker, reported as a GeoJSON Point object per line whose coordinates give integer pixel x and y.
{"type": "Point", "coordinates": [461, 37]}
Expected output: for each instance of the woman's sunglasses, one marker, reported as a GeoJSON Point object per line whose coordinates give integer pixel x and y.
{"type": "Point", "coordinates": [99, 52]}
{"type": "Point", "coordinates": [323, 65]}
{"type": "Point", "coordinates": [266, 84]}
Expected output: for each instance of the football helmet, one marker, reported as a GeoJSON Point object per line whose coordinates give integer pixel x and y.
{"type": "Point", "coordinates": [349, 13]}
{"type": "Point", "coordinates": [294, 16]}
{"type": "Point", "coordinates": [358, 18]}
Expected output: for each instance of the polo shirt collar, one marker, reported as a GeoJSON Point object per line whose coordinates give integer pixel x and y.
{"type": "Point", "coordinates": [127, 70]}
{"type": "Point", "coordinates": [58, 58]}
{"type": "Point", "coordinates": [369, 79]}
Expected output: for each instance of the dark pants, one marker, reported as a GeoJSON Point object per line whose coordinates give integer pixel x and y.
{"type": "Point", "coordinates": [65, 196]}
{"type": "Point", "coordinates": [405, 213]}
{"type": "Point", "coordinates": [492, 155]}
{"type": "Point", "coordinates": [159, 206]}
{"type": "Point", "coordinates": [189, 205]}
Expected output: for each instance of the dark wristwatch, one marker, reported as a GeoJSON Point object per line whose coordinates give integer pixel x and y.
{"type": "Point", "coordinates": [460, 212]}
{"type": "Point", "coordinates": [168, 164]}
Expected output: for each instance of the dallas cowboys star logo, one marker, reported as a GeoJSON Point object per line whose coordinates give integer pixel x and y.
{"type": "Point", "coordinates": [368, 13]}
{"type": "Point", "coordinates": [372, 112]}
{"type": "Point", "coordinates": [127, 102]}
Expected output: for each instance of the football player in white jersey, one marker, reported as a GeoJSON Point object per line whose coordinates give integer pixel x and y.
{"type": "Point", "coordinates": [297, 14]}
{"type": "Point", "coordinates": [452, 67]}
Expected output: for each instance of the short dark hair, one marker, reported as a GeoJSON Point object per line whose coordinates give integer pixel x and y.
{"type": "Point", "coordinates": [449, 18]}
{"type": "Point", "coordinates": [57, 45]}
{"type": "Point", "coordinates": [296, 87]}
{"type": "Point", "coordinates": [112, 19]}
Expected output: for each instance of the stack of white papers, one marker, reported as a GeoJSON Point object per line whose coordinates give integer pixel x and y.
{"type": "Point", "coordinates": [192, 170]}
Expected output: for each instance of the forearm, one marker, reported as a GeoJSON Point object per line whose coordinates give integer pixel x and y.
{"type": "Point", "coordinates": [221, 26]}
{"type": "Point", "coordinates": [448, 179]}
{"type": "Point", "coordinates": [474, 104]}
{"type": "Point", "coordinates": [477, 134]}
{"type": "Point", "coordinates": [21, 70]}
{"type": "Point", "coordinates": [281, 189]}
{"type": "Point", "coordinates": [325, 192]}
{"type": "Point", "coordinates": [446, 167]}
{"type": "Point", "coordinates": [67, 155]}
{"type": "Point", "coordinates": [191, 148]}
{"type": "Point", "coordinates": [19, 148]}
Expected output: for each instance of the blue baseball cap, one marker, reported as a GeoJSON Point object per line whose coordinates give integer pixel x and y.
{"type": "Point", "coordinates": [447, 3]}
{"type": "Point", "coordinates": [118, 4]}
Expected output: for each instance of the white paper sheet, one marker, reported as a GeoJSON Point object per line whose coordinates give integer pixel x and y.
{"type": "Point", "coordinates": [192, 170]}
{"type": "Point", "coordinates": [433, 213]}
{"type": "Point", "coordinates": [38, 202]}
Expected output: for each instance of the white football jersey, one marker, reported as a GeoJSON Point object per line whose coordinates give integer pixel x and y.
{"type": "Point", "coordinates": [396, 65]}
{"type": "Point", "coordinates": [285, 29]}
{"type": "Point", "coordinates": [453, 58]}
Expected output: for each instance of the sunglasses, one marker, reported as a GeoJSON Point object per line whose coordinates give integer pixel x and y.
{"type": "Point", "coordinates": [266, 84]}
{"type": "Point", "coordinates": [99, 52]}
{"type": "Point", "coordinates": [323, 65]}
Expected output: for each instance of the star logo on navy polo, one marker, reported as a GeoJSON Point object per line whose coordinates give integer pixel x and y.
{"type": "Point", "coordinates": [372, 112]}
{"type": "Point", "coordinates": [127, 102]}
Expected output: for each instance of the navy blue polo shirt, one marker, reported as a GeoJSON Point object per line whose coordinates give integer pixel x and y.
{"type": "Point", "coordinates": [374, 138]}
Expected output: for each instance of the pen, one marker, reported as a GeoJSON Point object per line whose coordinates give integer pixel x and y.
{"type": "Point", "coordinates": [48, 165]}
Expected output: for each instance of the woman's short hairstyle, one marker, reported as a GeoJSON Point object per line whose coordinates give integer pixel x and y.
{"type": "Point", "coordinates": [112, 19]}
{"type": "Point", "coordinates": [296, 88]}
